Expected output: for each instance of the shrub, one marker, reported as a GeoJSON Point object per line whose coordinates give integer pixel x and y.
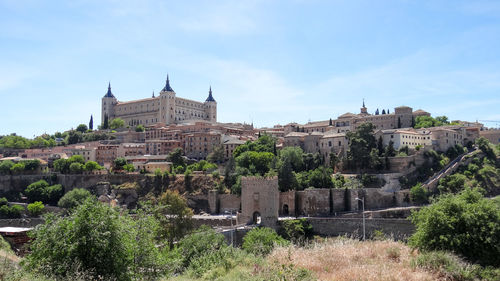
{"type": "Point", "coordinates": [3, 201]}
{"type": "Point", "coordinates": [5, 166]}
{"type": "Point", "coordinates": [12, 212]}
{"type": "Point", "coordinates": [261, 241]}
{"type": "Point", "coordinates": [17, 168]}
{"type": "Point", "coordinates": [74, 198]}
{"type": "Point", "coordinates": [36, 209]}
{"type": "Point", "coordinates": [296, 230]}
{"type": "Point", "coordinates": [91, 166]}
{"type": "Point", "coordinates": [54, 193]}
{"type": "Point", "coordinates": [418, 194]}
{"type": "Point", "coordinates": [75, 168]}
{"type": "Point", "coordinates": [95, 239]}
{"type": "Point", "coordinates": [37, 191]}
{"type": "Point", "coordinates": [467, 224]}
{"type": "Point", "coordinates": [202, 242]}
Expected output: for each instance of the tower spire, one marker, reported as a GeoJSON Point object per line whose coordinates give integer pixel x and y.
{"type": "Point", "coordinates": [167, 86]}
{"type": "Point", "coordinates": [109, 94]}
{"type": "Point", "coordinates": [364, 102]}
{"type": "Point", "coordinates": [153, 94]}
{"type": "Point", "coordinates": [210, 97]}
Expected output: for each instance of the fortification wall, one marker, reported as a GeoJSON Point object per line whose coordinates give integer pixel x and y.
{"type": "Point", "coordinates": [397, 228]}
{"type": "Point", "coordinates": [314, 202]}
{"type": "Point", "coordinates": [229, 203]}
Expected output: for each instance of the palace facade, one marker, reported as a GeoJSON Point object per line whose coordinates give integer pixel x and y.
{"type": "Point", "coordinates": [165, 108]}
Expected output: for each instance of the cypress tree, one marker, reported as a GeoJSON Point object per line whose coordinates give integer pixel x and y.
{"type": "Point", "coordinates": [105, 124]}
{"type": "Point", "coordinates": [91, 123]}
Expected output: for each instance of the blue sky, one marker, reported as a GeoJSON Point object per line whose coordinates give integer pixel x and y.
{"type": "Point", "coordinates": [270, 62]}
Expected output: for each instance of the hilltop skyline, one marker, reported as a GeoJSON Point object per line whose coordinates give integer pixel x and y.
{"type": "Point", "coordinates": [267, 62]}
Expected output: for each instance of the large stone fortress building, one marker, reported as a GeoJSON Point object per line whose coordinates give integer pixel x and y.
{"type": "Point", "coordinates": [166, 108]}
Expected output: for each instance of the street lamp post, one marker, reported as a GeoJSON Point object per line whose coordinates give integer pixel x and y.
{"type": "Point", "coordinates": [363, 206]}
{"type": "Point", "coordinates": [231, 219]}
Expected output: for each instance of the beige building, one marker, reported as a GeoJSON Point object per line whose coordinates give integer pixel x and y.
{"type": "Point", "coordinates": [131, 149]}
{"type": "Point", "coordinates": [199, 144]}
{"type": "Point", "coordinates": [166, 108]}
{"type": "Point", "coordinates": [493, 135]}
{"type": "Point", "coordinates": [443, 138]}
{"type": "Point", "coordinates": [88, 153]}
{"type": "Point", "coordinates": [230, 144]}
{"type": "Point", "coordinates": [162, 147]}
{"type": "Point", "coordinates": [106, 154]}
{"type": "Point", "coordinates": [406, 137]}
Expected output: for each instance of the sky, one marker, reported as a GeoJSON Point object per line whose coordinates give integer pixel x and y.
{"type": "Point", "coordinates": [268, 62]}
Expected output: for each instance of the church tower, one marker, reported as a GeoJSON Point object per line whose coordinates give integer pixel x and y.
{"type": "Point", "coordinates": [107, 105]}
{"type": "Point", "coordinates": [211, 107]}
{"type": "Point", "coordinates": [364, 110]}
{"type": "Point", "coordinates": [167, 104]}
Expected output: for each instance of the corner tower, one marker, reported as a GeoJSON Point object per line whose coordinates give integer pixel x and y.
{"type": "Point", "coordinates": [167, 104]}
{"type": "Point", "coordinates": [210, 107]}
{"type": "Point", "coordinates": [108, 103]}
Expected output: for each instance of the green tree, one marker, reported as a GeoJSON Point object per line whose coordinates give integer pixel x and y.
{"type": "Point", "coordinates": [94, 239]}
{"type": "Point", "coordinates": [256, 162]}
{"type": "Point", "coordinates": [293, 154]}
{"type": "Point", "coordinates": [286, 176]}
{"type": "Point", "coordinates": [91, 166]}
{"type": "Point", "coordinates": [361, 143]}
{"type": "Point", "coordinates": [139, 128]}
{"type": "Point", "coordinates": [5, 166]}
{"type": "Point", "coordinates": [75, 168]}
{"type": "Point", "coordinates": [82, 128]}
{"type": "Point", "coordinates": [217, 154]}
{"type": "Point", "coordinates": [117, 123]}
{"type": "Point", "coordinates": [264, 143]}
{"type": "Point", "coordinates": [484, 145]}
{"type": "Point", "coordinates": [418, 194]}
{"type": "Point", "coordinates": [105, 122]}
{"type": "Point", "coordinates": [176, 158]}
{"type": "Point", "coordinates": [91, 123]}
{"type": "Point", "coordinates": [74, 198]}
{"type": "Point", "coordinates": [37, 191]}
{"type": "Point", "coordinates": [74, 137]}
{"type": "Point", "coordinates": [17, 168]}
{"type": "Point", "coordinates": [467, 224]}
{"type": "Point", "coordinates": [174, 216]}
{"type": "Point", "coordinates": [119, 162]}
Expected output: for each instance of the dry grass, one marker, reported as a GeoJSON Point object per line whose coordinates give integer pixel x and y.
{"type": "Point", "coordinates": [347, 259]}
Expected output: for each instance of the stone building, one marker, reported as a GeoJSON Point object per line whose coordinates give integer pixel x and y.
{"type": "Point", "coordinates": [166, 108]}
{"type": "Point", "coordinates": [406, 137]}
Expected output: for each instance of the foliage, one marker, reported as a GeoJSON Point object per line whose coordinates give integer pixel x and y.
{"type": "Point", "coordinates": [297, 230]}
{"type": "Point", "coordinates": [139, 128]}
{"type": "Point", "coordinates": [452, 183]}
{"type": "Point", "coordinates": [361, 143]}
{"type": "Point", "coordinates": [485, 146]}
{"type": "Point", "coordinates": [453, 268]}
{"type": "Point", "coordinates": [119, 162]}
{"type": "Point", "coordinates": [129, 167]}
{"type": "Point", "coordinates": [202, 165]}
{"type": "Point", "coordinates": [17, 168]}
{"type": "Point", "coordinates": [82, 128]}
{"type": "Point", "coordinates": [203, 241]}
{"type": "Point", "coordinates": [176, 158]}
{"type": "Point", "coordinates": [428, 121]}
{"type": "Point", "coordinates": [74, 198]}
{"type": "Point", "coordinates": [217, 154]}
{"type": "Point", "coordinates": [467, 224]}
{"type": "Point", "coordinates": [94, 239]}
{"type": "Point", "coordinates": [91, 166]}
{"type": "Point", "coordinates": [75, 168]}
{"type": "Point", "coordinates": [116, 123]}
{"type": "Point", "coordinates": [41, 191]}
{"type": "Point", "coordinates": [261, 241]}
{"type": "Point", "coordinates": [12, 212]}
{"type": "Point", "coordinates": [418, 194]}
{"type": "Point", "coordinates": [63, 165]}
{"type": "Point", "coordinates": [264, 143]}
{"type": "Point", "coordinates": [3, 201]}
{"type": "Point", "coordinates": [35, 209]}
{"type": "Point", "coordinates": [256, 162]}
{"type": "Point", "coordinates": [174, 216]}
{"type": "Point", "coordinates": [5, 166]}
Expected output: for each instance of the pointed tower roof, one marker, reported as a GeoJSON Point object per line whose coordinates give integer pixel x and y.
{"type": "Point", "coordinates": [167, 87]}
{"type": "Point", "coordinates": [210, 98]}
{"type": "Point", "coordinates": [153, 94]}
{"type": "Point", "coordinates": [109, 94]}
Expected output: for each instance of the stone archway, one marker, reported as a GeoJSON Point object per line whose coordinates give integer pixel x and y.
{"type": "Point", "coordinates": [259, 196]}
{"type": "Point", "coordinates": [286, 211]}
{"type": "Point", "coordinates": [256, 218]}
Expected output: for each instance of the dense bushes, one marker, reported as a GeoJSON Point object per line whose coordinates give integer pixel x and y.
{"type": "Point", "coordinates": [35, 209]}
{"type": "Point", "coordinates": [41, 191]}
{"type": "Point", "coordinates": [261, 241]}
{"type": "Point", "coordinates": [297, 231]}
{"type": "Point", "coordinates": [12, 212]}
{"type": "Point", "coordinates": [98, 241]}
{"type": "Point", "coordinates": [467, 224]}
{"type": "Point", "coordinates": [74, 198]}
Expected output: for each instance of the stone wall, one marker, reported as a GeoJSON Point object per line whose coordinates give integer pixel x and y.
{"type": "Point", "coordinates": [314, 202]}
{"type": "Point", "coordinates": [397, 228]}
{"type": "Point", "coordinates": [229, 203]}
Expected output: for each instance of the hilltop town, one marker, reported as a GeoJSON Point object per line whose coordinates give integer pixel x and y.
{"type": "Point", "coordinates": [321, 177]}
